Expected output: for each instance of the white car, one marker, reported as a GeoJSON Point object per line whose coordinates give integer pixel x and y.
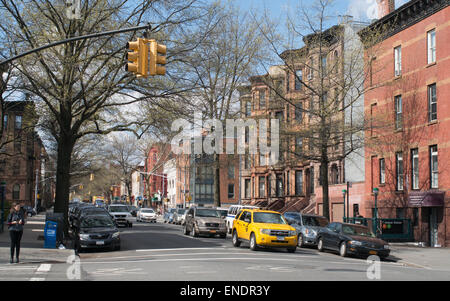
{"type": "Point", "coordinates": [232, 211]}
{"type": "Point", "coordinates": [146, 214]}
{"type": "Point", "coordinates": [121, 214]}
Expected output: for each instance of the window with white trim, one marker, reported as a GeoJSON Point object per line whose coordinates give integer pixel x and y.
{"type": "Point", "coordinates": [431, 45]}
{"type": "Point", "coordinates": [398, 60]}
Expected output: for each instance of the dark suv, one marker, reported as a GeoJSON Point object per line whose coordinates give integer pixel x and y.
{"type": "Point", "coordinates": [207, 221]}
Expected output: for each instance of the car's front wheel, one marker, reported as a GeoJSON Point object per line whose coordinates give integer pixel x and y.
{"type": "Point", "coordinates": [194, 233]}
{"type": "Point", "coordinates": [235, 239]}
{"type": "Point", "coordinates": [185, 230]}
{"type": "Point", "coordinates": [320, 245]}
{"type": "Point", "coordinates": [253, 245]}
{"type": "Point", "coordinates": [300, 243]}
{"type": "Point", "coordinates": [343, 249]}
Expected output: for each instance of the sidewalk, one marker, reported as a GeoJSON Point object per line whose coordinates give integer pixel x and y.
{"type": "Point", "coordinates": [32, 244]}
{"type": "Point", "coordinates": [422, 257]}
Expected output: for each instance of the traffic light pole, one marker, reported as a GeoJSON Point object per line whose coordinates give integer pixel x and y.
{"type": "Point", "coordinates": [95, 35]}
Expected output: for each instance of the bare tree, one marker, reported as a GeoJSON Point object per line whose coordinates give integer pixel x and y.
{"type": "Point", "coordinates": [82, 83]}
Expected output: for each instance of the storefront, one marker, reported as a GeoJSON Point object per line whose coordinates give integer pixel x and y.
{"type": "Point", "coordinates": [431, 222]}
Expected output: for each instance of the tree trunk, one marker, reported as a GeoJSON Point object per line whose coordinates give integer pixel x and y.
{"type": "Point", "coordinates": [324, 180]}
{"type": "Point", "coordinates": [65, 148]}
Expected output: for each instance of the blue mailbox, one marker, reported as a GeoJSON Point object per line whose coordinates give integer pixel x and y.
{"type": "Point", "coordinates": [50, 232]}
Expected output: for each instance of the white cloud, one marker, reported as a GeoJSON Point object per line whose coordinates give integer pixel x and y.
{"type": "Point", "coordinates": [364, 10]}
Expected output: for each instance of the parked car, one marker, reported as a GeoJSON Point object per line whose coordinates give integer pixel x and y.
{"type": "Point", "coordinates": [232, 212]}
{"type": "Point", "coordinates": [29, 211]}
{"type": "Point", "coordinates": [168, 215]}
{"type": "Point", "coordinates": [75, 212]}
{"type": "Point", "coordinates": [133, 210]}
{"type": "Point", "coordinates": [146, 214]}
{"type": "Point", "coordinates": [97, 231]}
{"type": "Point", "coordinates": [204, 221]}
{"type": "Point", "coordinates": [307, 226]}
{"type": "Point", "coordinates": [121, 214]}
{"type": "Point", "coordinates": [99, 203]}
{"type": "Point", "coordinates": [86, 211]}
{"type": "Point", "coordinates": [178, 216]}
{"type": "Point", "coordinates": [223, 212]}
{"type": "Point", "coordinates": [264, 228]}
{"type": "Point", "coordinates": [351, 239]}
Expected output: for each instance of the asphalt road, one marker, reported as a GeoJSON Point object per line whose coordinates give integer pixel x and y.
{"type": "Point", "coordinates": [160, 252]}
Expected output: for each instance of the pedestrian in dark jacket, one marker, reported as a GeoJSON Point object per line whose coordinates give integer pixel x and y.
{"type": "Point", "coordinates": [16, 220]}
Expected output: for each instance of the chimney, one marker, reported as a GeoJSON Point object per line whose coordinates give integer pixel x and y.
{"type": "Point", "coordinates": [385, 7]}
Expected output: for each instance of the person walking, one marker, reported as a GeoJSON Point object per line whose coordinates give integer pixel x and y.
{"type": "Point", "coordinates": [16, 220]}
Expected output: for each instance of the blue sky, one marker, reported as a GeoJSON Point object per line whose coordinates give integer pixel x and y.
{"type": "Point", "coordinates": [361, 9]}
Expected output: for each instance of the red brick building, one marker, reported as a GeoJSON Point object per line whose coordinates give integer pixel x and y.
{"type": "Point", "coordinates": [407, 149]}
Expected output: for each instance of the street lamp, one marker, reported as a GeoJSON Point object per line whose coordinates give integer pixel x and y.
{"type": "Point", "coordinates": [344, 192]}
{"type": "Point", "coordinates": [375, 193]}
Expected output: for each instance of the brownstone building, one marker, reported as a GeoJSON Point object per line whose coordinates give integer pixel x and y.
{"type": "Point", "coordinates": [23, 158]}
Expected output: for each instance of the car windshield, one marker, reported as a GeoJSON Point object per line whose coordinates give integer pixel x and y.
{"type": "Point", "coordinates": [268, 218]}
{"type": "Point", "coordinates": [172, 210]}
{"type": "Point", "coordinates": [118, 209]}
{"type": "Point", "coordinates": [223, 213]}
{"type": "Point", "coordinates": [315, 221]}
{"type": "Point", "coordinates": [357, 230]}
{"type": "Point", "coordinates": [97, 222]}
{"type": "Point", "coordinates": [181, 211]}
{"type": "Point", "coordinates": [147, 211]}
{"type": "Point", "coordinates": [208, 213]}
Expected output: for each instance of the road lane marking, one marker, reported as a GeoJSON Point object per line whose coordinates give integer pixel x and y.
{"type": "Point", "coordinates": [44, 268]}
{"type": "Point", "coordinates": [37, 279]}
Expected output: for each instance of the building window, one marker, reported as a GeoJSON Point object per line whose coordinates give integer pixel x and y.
{"type": "Point", "coordinates": [334, 174]}
{"type": "Point", "coordinates": [310, 69]}
{"type": "Point", "coordinates": [398, 60]}
{"type": "Point", "coordinates": [16, 192]}
{"type": "Point", "coordinates": [231, 171]}
{"type": "Point", "coordinates": [248, 108]}
{"type": "Point", "coordinates": [262, 100]}
{"type": "Point", "coordinates": [415, 168]}
{"type": "Point", "coordinates": [312, 180]}
{"type": "Point", "coordinates": [434, 166]}
{"type": "Point", "coordinates": [382, 171]}
{"type": "Point", "coordinates": [298, 182]}
{"type": "Point", "coordinates": [247, 188]}
{"type": "Point", "coordinates": [432, 103]}
{"type": "Point", "coordinates": [399, 171]}
{"type": "Point", "coordinates": [299, 112]}
{"type": "Point", "coordinates": [262, 187]}
{"type": "Point", "coordinates": [287, 81]}
{"type": "Point", "coordinates": [279, 185]}
{"type": "Point", "coordinates": [231, 191]}
{"type": "Point", "coordinates": [431, 42]}
{"type": "Point", "coordinates": [18, 122]}
{"type": "Point", "coordinates": [298, 145]}
{"type": "Point", "coordinates": [398, 112]}
{"type": "Point", "coordinates": [262, 160]}
{"type": "Point", "coordinates": [5, 122]}
{"type": "Point", "coordinates": [298, 80]}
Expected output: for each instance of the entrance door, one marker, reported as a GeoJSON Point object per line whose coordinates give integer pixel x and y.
{"type": "Point", "coordinates": [433, 227]}
{"type": "Point", "coordinates": [337, 210]}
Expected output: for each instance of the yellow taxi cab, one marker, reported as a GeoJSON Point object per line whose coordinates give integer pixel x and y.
{"type": "Point", "coordinates": [263, 228]}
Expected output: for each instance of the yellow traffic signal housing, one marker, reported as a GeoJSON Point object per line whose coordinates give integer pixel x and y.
{"type": "Point", "coordinates": [157, 57]}
{"type": "Point", "coordinates": [138, 57]}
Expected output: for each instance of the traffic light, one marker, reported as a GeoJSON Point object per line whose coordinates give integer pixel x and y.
{"type": "Point", "coordinates": [157, 57]}
{"type": "Point", "coordinates": [138, 57]}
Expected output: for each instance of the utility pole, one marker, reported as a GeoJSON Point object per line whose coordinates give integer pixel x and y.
{"type": "Point", "coordinates": [36, 190]}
